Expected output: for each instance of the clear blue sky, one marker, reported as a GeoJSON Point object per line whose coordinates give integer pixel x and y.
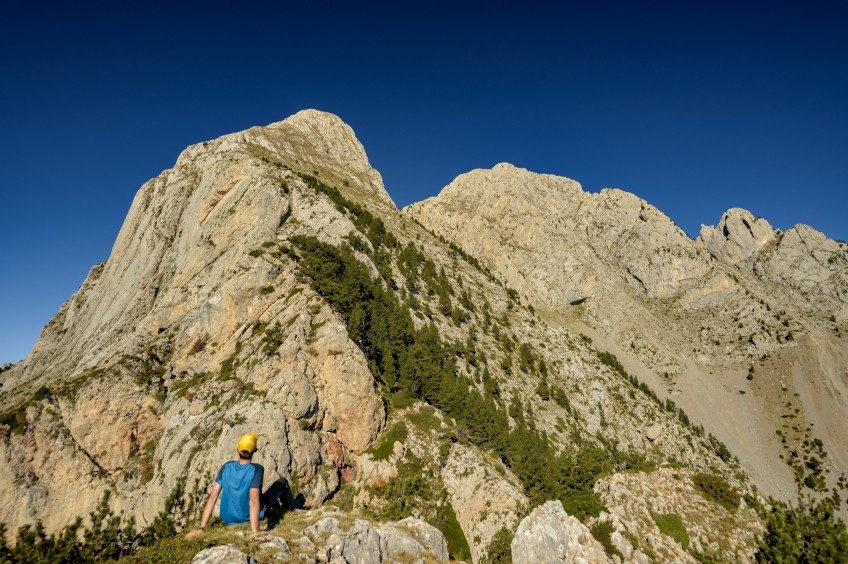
{"type": "Point", "coordinates": [695, 106]}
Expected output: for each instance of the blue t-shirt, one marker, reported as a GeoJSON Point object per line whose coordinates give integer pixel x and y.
{"type": "Point", "coordinates": [236, 481]}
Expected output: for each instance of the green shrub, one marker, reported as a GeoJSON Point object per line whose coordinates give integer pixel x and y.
{"type": "Point", "coordinates": [717, 489]}
{"type": "Point", "coordinates": [292, 293]}
{"type": "Point", "coordinates": [396, 433]}
{"type": "Point", "coordinates": [228, 367]}
{"type": "Point", "coordinates": [810, 533]}
{"type": "Point", "coordinates": [425, 419]}
{"type": "Point", "coordinates": [344, 497]}
{"type": "Point", "coordinates": [445, 520]}
{"type": "Point", "coordinates": [415, 363]}
{"type": "Point", "coordinates": [602, 531]}
{"type": "Point", "coordinates": [16, 418]}
{"type": "Point", "coordinates": [272, 339]}
{"type": "Point", "coordinates": [405, 492]}
{"type": "Point", "coordinates": [671, 525]}
{"type": "Point", "coordinates": [413, 490]}
{"type": "Point", "coordinates": [499, 550]}
{"type": "Point", "coordinates": [108, 537]}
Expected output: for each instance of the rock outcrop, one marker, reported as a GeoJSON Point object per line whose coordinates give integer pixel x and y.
{"type": "Point", "coordinates": [549, 534]}
{"type": "Point", "coordinates": [222, 554]}
{"type": "Point", "coordinates": [485, 502]}
{"type": "Point", "coordinates": [738, 236]}
{"type": "Point", "coordinates": [407, 540]}
{"type": "Point", "coordinates": [555, 242]}
{"type": "Point", "coordinates": [637, 503]}
{"type": "Point", "coordinates": [806, 265]}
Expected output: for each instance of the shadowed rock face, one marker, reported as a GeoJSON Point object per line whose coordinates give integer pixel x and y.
{"type": "Point", "coordinates": [201, 326]}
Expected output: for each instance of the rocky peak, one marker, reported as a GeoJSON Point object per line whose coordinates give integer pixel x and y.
{"type": "Point", "coordinates": [332, 142]}
{"type": "Point", "coordinates": [690, 316]}
{"type": "Point", "coordinates": [328, 133]}
{"type": "Point", "coordinates": [505, 181]}
{"type": "Point", "coordinates": [738, 236]}
{"type": "Point", "coordinates": [585, 241]}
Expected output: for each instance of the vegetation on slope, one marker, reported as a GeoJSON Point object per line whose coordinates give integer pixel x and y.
{"type": "Point", "coordinates": [415, 363]}
{"type": "Point", "coordinates": [810, 532]}
{"type": "Point", "coordinates": [107, 537]}
{"type": "Point", "coordinates": [418, 363]}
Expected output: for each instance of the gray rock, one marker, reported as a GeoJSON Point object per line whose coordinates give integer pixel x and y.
{"type": "Point", "coordinates": [322, 527]}
{"type": "Point", "coordinates": [737, 236]}
{"type": "Point", "coordinates": [224, 554]}
{"type": "Point", "coordinates": [653, 432]}
{"type": "Point", "coordinates": [360, 544]}
{"type": "Point", "coordinates": [407, 540]}
{"type": "Point", "coordinates": [429, 536]}
{"type": "Point", "coordinates": [276, 544]}
{"type": "Point", "coordinates": [476, 489]}
{"type": "Point", "coordinates": [549, 534]}
{"type": "Point", "coordinates": [398, 545]}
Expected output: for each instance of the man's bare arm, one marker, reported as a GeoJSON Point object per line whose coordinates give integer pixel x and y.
{"type": "Point", "coordinates": [254, 509]}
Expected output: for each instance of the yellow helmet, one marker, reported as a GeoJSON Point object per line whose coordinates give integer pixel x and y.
{"type": "Point", "coordinates": [247, 444]}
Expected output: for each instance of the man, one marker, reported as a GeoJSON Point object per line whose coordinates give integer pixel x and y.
{"type": "Point", "coordinates": [241, 483]}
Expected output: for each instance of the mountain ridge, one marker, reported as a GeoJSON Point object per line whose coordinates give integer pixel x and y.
{"type": "Point", "coordinates": [208, 320]}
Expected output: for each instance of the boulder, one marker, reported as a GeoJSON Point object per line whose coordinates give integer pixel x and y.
{"type": "Point", "coordinates": [429, 536]}
{"type": "Point", "coordinates": [408, 539]}
{"type": "Point", "coordinates": [223, 554]}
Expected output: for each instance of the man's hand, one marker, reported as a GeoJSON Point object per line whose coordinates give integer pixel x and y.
{"type": "Point", "coordinates": [194, 533]}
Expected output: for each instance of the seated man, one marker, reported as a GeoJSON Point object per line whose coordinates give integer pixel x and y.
{"type": "Point", "coordinates": [241, 483]}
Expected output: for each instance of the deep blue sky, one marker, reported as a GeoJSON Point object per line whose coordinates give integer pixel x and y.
{"type": "Point", "coordinates": [695, 106]}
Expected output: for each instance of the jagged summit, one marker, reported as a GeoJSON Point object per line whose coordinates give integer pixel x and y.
{"type": "Point", "coordinates": [737, 236]}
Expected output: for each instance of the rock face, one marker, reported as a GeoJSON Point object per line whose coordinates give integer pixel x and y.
{"type": "Point", "coordinates": [483, 501]}
{"type": "Point", "coordinates": [549, 534]}
{"type": "Point", "coordinates": [738, 236]}
{"type": "Point", "coordinates": [806, 265]}
{"type": "Point", "coordinates": [559, 244]}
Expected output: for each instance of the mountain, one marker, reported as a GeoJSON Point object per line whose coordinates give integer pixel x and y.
{"type": "Point", "coordinates": [692, 318]}
{"type": "Point", "coordinates": [510, 342]}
